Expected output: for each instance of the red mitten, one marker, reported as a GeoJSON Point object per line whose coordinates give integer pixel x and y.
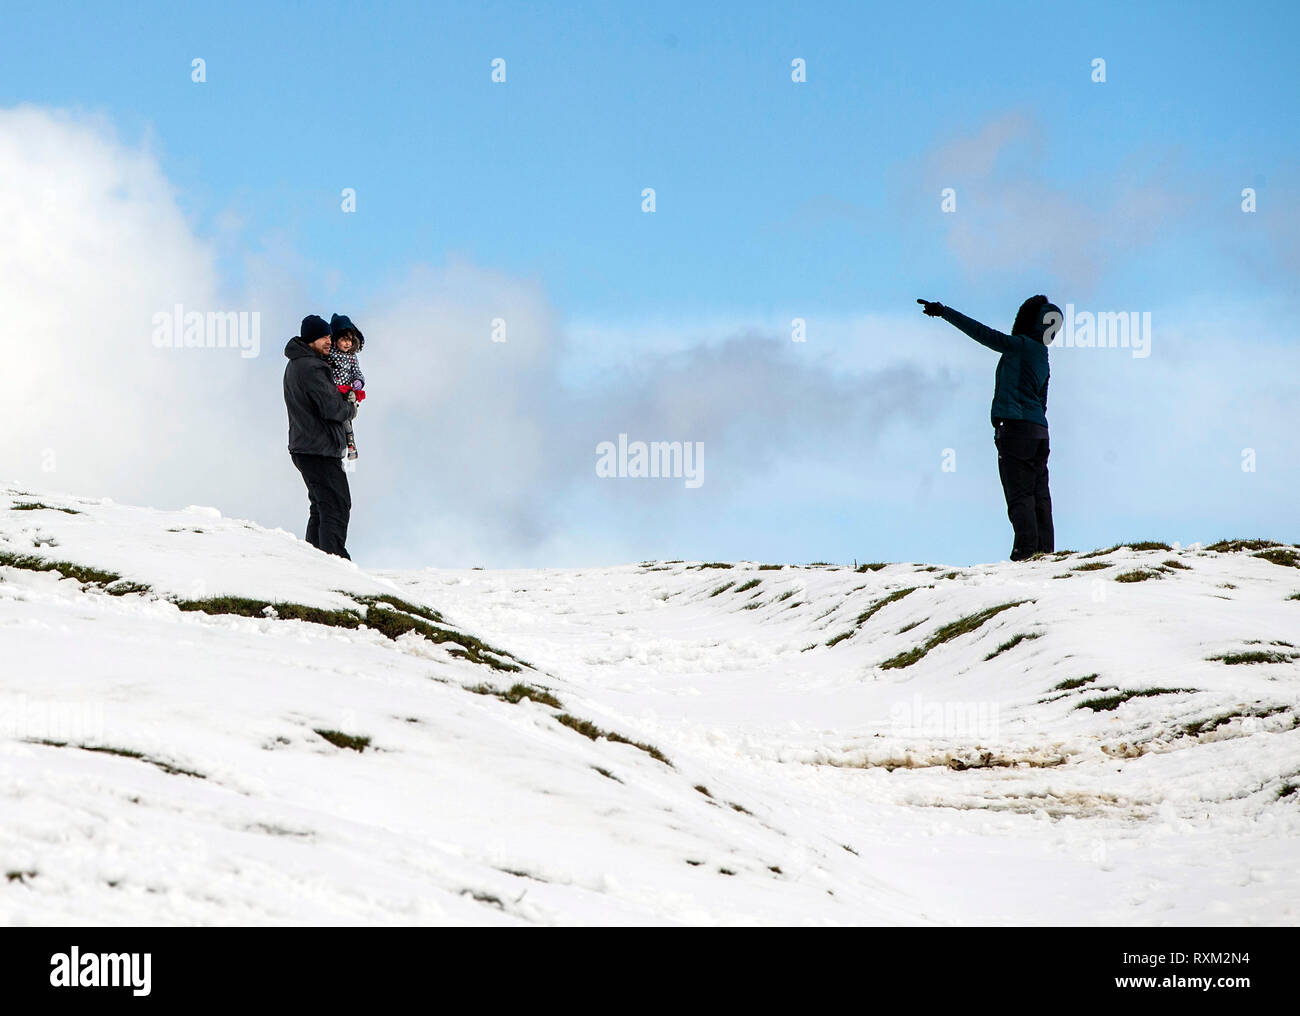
{"type": "Point", "coordinates": [343, 389]}
{"type": "Point", "coordinates": [361, 395]}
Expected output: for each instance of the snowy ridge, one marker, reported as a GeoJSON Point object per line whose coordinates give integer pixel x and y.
{"type": "Point", "coordinates": [1083, 738]}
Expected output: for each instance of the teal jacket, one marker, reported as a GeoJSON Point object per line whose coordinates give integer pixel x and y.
{"type": "Point", "coordinates": [1020, 392]}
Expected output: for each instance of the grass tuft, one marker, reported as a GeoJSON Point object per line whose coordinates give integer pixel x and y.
{"type": "Point", "coordinates": [342, 740]}
{"type": "Point", "coordinates": [1230, 546]}
{"type": "Point", "coordinates": [244, 606]}
{"type": "Point", "coordinates": [589, 730]}
{"type": "Point", "coordinates": [77, 572]}
{"type": "Point", "coordinates": [1254, 656]}
{"type": "Point", "coordinates": [517, 692]}
{"type": "Point", "coordinates": [1137, 575]}
{"type": "Point", "coordinates": [1280, 555]}
{"type": "Point", "coordinates": [166, 767]}
{"type": "Point", "coordinates": [1012, 642]}
{"type": "Point", "coordinates": [947, 633]}
{"type": "Point", "coordinates": [1074, 682]}
{"type": "Point", "coordinates": [1106, 703]}
{"type": "Point", "coordinates": [397, 603]}
{"type": "Point", "coordinates": [36, 506]}
{"type": "Point", "coordinates": [871, 611]}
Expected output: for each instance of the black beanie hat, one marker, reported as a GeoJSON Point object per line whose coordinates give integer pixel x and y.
{"type": "Point", "coordinates": [313, 327]}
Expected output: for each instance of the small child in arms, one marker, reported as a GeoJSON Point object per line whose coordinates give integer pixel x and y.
{"type": "Point", "coordinates": [348, 341]}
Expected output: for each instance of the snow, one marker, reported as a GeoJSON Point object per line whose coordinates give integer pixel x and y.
{"type": "Point", "coordinates": [956, 790]}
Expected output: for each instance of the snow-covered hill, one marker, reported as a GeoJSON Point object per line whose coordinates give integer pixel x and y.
{"type": "Point", "coordinates": [1104, 738]}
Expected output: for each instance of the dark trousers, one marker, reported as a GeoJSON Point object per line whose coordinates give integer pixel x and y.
{"type": "Point", "coordinates": [1022, 465]}
{"type": "Point", "coordinates": [331, 502]}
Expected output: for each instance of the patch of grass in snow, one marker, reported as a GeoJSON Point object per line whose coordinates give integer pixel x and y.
{"type": "Point", "coordinates": [84, 574]}
{"type": "Point", "coordinates": [1074, 682]}
{"type": "Point", "coordinates": [1230, 546]}
{"type": "Point", "coordinates": [873, 566]}
{"type": "Point", "coordinates": [123, 587]}
{"type": "Point", "coordinates": [712, 564]}
{"type": "Point", "coordinates": [166, 767]}
{"type": "Point", "coordinates": [23, 876]}
{"type": "Point", "coordinates": [790, 592]}
{"type": "Point", "coordinates": [1140, 545]}
{"type": "Point", "coordinates": [908, 627]}
{"type": "Point", "coordinates": [342, 740]}
{"type": "Point", "coordinates": [1091, 566]}
{"type": "Point", "coordinates": [770, 567]}
{"type": "Point", "coordinates": [947, 633]}
{"type": "Point", "coordinates": [722, 589]}
{"type": "Point", "coordinates": [396, 623]}
{"type": "Point", "coordinates": [1286, 790]}
{"type": "Point", "coordinates": [36, 506]}
{"type": "Point", "coordinates": [1012, 642]}
{"type": "Point", "coordinates": [1137, 575]}
{"type": "Point", "coordinates": [702, 789]}
{"type": "Point", "coordinates": [516, 693]}
{"type": "Point", "coordinates": [397, 603]}
{"type": "Point", "coordinates": [244, 606]}
{"type": "Point", "coordinates": [1254, 656]}
{"type": "Point", "coordinates": [482, 897]}
{"type": "Point", "coordinates": [1173, 562]}
{"type": "Point", "coordinates": [1222, 719]}
{"type": "Point", "coordinates": [589, 730]}
{"type": "Point", "coordinates": [1294, 596]}
{"type": "Point", "coordinates": [745, 586]}
{"type": "Point", "coordinates": [841, 637]}
{"type": "Point", "coordinates": [1280, 555]}
{"type": "Point", "coordinates": [1107, 703]}
{"type": "Point", "coordinates": [875, 608]}
{"type": "Point", "coordinates": [607, 774]}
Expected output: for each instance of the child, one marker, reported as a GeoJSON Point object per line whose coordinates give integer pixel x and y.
{"type": "Point", "coordinates": [343, 364]}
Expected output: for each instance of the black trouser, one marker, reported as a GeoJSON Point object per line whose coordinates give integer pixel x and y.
{"type": "Point", "coordinates": [1022, 465]}
{"type": "Point", "coordinates": [331, 502]}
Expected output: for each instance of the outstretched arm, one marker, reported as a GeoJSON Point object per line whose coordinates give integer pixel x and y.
{"type": "Point", "coordinates": [981, 333]}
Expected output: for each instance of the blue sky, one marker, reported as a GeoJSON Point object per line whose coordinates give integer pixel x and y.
{"type": "Point", "coordinates": [774, 200]}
